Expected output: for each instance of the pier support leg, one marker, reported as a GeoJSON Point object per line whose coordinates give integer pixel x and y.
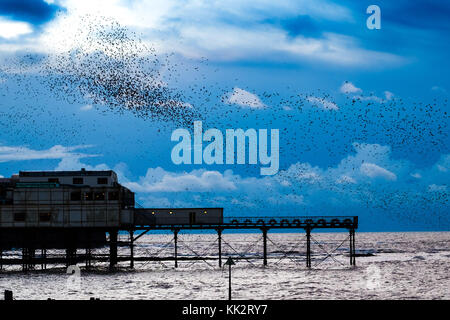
{"type": "Point", "coordinates": [24, 259]}
{"type": "Point", "coordinates": [351, 246]}
{"type": "Point", "coordinates": [43, 259]}
{"type": "Point", "coordinates": [88, 258]}
{"type": "Point", "coordinates": [264, 231]}
{"type": "Point", "coordinates": [354, 249]}
{"type": "Point", "coordinates": [88, 250]}
{"type": "Point", "coordinates": [219, 239]}
{"type": "Point", "coordinates": [71, 254]}
{"type": "Point", "coordinates": [112, 249]}
{"type": "Point", "coordinates": [308, 247]}
{"type": "Point", "coordinates": [175, 239]}
{"type": "Point", "coordinates": [27, 258]}
{"type": "Point", "coordinates": [131, 249]}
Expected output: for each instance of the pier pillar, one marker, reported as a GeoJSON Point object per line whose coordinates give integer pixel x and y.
{"type": "Point", "coordinates": [24, 259]}
{"type": "Point", "coordinates": [71, 256]}
{"type": "Point", "coordinates": [131, 249]}
{"type": "Point", "coordinates": [112, 248]}
{"type": "Point", "coordinates": [88, 258]}
{"type": "Point", "coordinates": [219, 239]}
{"type": "Point", "coordinates": [264, 231]}
{"type": "Point", "coordinates": [28, 255]}
{"type": "Point", "coordinates": [175, 239]}
{"type": "Point", "coordinates": [88, 250]}
{"type": "Point", "coordinates": [71, 247]}
{"type": "Point", "coordinates": [308, 247]}
{"type": "Point", "coordinates": [353, 247]}
{"type": "Point", "coordinates": [44, 259]}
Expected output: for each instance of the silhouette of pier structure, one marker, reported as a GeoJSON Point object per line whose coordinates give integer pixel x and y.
{"type": "Point", "coordinates": [36, 256]}
{"type": "Point", "coordinates": [67, 217]}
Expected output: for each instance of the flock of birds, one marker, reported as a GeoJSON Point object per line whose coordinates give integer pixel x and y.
{"type": "Point", "coordinates": [116, 71]}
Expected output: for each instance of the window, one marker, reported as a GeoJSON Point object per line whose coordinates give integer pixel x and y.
{"type": "Point", "coordinates": [20, 216]}
{"type": "Point", "coordinates": [88, 196]}
{"type": "Point", "coordinates": [55, 180]}
{"type": "Point", "coordinates": [99, 196]}
{"type": "Point", "coordinates": [77, 180]}
{"type": "Point", "coordinates": [45, 216]}
{"type": "Point", "coordinates": [113, 196]}
{"type": "Point", "coordinates": [75, 196]}
{"type": "Point", "coordinates": [102, 180]}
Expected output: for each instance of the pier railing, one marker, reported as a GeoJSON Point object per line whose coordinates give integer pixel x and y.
{"type": "Point", "coordinates": [304, 222]}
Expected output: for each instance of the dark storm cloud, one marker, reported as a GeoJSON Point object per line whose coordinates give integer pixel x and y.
{"type": "Point", "coordinates": [33, 11]}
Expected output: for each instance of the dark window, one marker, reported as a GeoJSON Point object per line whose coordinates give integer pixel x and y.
{"type": "Point", "coordinates": [55, 180]}
{"type": "Point", "coordinates": [45, 216]}
{"type": "Point", "coordinates": [75, 196]}
{"type": "Point", "coordinates": [20, 216]}
{"type": "Point", "coordinates": [88, 196]}
{"type": "Point", "coordinates": [99, 196]}
{"type": "Point", "coordinates": [77, 180]}
{"type": "Point", "coordinates": [102, 180]}
{"type": "Point", "coordinates": [113, 196]}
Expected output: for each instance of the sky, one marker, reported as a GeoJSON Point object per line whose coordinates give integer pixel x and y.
{"type": "Point", "coordinates": [362, 113]}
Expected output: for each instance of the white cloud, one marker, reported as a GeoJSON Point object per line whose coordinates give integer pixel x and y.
{"type": "Point", "coordinates": [86, 107]}
{"type": "Point", "coordinates": [389, 95]}
{"type": "Point", "coordinates": [369, 98]}
{"type": "Point", "coordinates": [438, 89]}
{"type": "Point", "coordinates": [159, 180]}
{"type": "Point", "coordinates": [345, 179]}
{"type": "Point", "coordinates": [73, 163]}
{"type": "Point", "coordinates": [244, 99]}
{"type": "Point", "coordinates": [20, 153]}
{"type": "Point", "coordinates": [167, 25]}
{"type": "Point", "coordinates": [13, 29]}
{"type": "Point", "coordinates": [437, 188]}
{"type": "Point", "coordinates": [348, 87]}
{"type": "Point", "coordinates": [322, 103]}
{"type": "Point", "coordinates": [374, 171]}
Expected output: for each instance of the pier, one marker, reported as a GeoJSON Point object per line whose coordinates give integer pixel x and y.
{"type": "Point", "coordinates": [35, 256]}
{"type": "Point", "coordinates": [66, 218]}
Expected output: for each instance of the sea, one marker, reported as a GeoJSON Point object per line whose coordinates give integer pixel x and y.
{"type": "Point", "coordinates": [397, 265]}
